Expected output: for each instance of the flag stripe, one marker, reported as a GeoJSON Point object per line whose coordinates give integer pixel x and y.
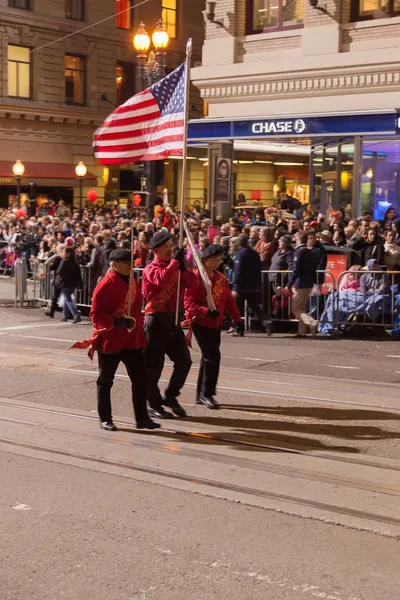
{"type": "Point", "coordinates": [136, 153]}
{"type": "Point", "coordinates": [123, 161]}
{"type": "Point", "coordinates": [141, 145]}
{"type": "Point", "coordinates": [149, 126]}
{"type": "Point", "coordinates": [152, 136]}
{"type": "Point", "coordinates": [137, 128]}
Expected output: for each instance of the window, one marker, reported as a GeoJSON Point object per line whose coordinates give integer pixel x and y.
{"type": "Point", "coordinates": [75, 9]}
{"type": "Point", "coordinates": [374, 9]}
{"type": "Point", "coordinates": [125, 81]}
{"type": "Point", "coordinates": [169, 10]}
{"type": "Point", "coordinates": [123, 14]}
{"type": "Point", "coordinates": [75, 75]}
{"type": "Point", "coordinates": [24, 4]}
{"type": "Point", "coordinates": [265, 15]}
{"type": "Point", "coordinates": [19, 72]}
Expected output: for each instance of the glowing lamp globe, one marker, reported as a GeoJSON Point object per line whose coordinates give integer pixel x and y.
{"type": "Point", "coordinates": [141, 40]}
{"type": "Point", "coordinates": [18, 169]}
{"type": "Point", "coordinates": [160, 36]}
{"type": "Point", "coordinates": [80, 169]}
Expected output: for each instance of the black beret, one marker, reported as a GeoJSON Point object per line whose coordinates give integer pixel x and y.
{"type": "Point", "coordinates": [120, 255]}
{"type": "Point", "coordinates": [212, 251]}
{"type": "Point", "coordinates": [159, 239]}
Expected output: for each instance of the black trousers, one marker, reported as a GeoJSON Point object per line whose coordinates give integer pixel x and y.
{"type": "Point", "coordinates": [108, 365]}
{"type": "Point", "coordinates": [164, 338]}
{"type": "Point", "coordinates": [209, 341]}
{"type": "Point", "coordinates": [254, 302]}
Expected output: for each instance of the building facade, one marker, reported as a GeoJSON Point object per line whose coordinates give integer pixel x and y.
{"type": "Point", "coordinates": [64, 65]}
{"type": "Point", "coordinates": [323, 75]}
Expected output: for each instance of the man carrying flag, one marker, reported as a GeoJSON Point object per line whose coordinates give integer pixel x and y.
{"type": "Point", "coordinates": [164, 337]}
{"type": "Point", "coordinates": [207, 323]}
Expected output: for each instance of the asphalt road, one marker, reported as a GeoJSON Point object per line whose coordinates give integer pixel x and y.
{"type": "Point", "coordinates": [290, 491]}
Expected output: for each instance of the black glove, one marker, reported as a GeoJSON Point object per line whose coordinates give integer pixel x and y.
{"type": "Point", "coordinates": [179, 255]}
{"type": "Point", "coordinates": [240, 327]}
{"type": "Point", "coordinates": [125, 323]}
{"type": "Point", "coordinates": [213, 314]}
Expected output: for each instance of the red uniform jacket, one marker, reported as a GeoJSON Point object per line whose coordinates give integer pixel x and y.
{"type": "Point", "coordinates": [110, 301]}
{"type": "Point", "coordinates": [159, 284]}
{"type": "Point", "coordinates": [196, 302]}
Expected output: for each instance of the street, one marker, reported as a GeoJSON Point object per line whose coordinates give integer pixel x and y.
{"type": "Point", "coordinates": [289, 491]}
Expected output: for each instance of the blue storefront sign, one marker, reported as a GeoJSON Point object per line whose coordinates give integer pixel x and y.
{"type": "Point", "coordinates": [297, 126]}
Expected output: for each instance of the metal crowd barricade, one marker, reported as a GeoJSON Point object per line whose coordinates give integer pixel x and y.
{"type": "Point", "coordinates": [21, 282]}
{"type": "Point", "coordinates": [43, 284]}
{"type": "Point", "coordinates": [277, 302]}
{"type": "Point", "coordinates": [367, 299]}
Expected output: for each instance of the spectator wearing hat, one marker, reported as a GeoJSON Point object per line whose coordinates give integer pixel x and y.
{"type": "Point", "coordinates": [207, 323]}
{"type": "Point", "coordinates": [119, 337]}
{"type": "Point", "coordinates": [164, 337]}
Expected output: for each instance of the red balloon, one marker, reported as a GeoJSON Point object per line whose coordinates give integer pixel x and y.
{"type": "Point", "coordinates": [92, 195]}
{"type": "Point", "coordinates": [20, 214]}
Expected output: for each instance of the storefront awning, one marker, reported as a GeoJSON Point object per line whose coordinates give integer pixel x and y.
{"type": "Point", "coordinates": [295, 127]}
{"type": "Point", "coordinates": [37, 170]}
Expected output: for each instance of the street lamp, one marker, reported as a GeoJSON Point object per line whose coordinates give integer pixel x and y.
{"type": "Point", "coordinates": [151, 64]}
{"type": "Point", "coordinates": [80, 171]}
{"type": "Point", "coordinates": [18, 170]}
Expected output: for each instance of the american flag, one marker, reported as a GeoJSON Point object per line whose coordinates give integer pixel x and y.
{"type": "Point", "coordinates": [149, 126]}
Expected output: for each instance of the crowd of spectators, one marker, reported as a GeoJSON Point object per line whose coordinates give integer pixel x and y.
{"type": "Point", "coordinates": [95, 232]}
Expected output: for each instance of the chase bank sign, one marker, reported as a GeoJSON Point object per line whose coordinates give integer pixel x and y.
{"type": "Point", "coordinates": [296, 126]}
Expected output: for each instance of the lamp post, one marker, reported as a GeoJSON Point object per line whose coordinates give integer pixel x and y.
{"type": "Point", "coordinates": [81, 171]}
{"type": "Point", "coordinates": [151, 64]}
{"type": "Point", "coordinates": [151, 67]}
{"type": "Point", "coordinates": [18, 170]}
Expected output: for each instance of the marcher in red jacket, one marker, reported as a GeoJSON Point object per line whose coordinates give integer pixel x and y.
{"type": "Point", "coordinates": [207, 323]}
{"type": "Point", "coordinates": [160, 282]}
{"type": "Point", "coordinates": [119, 337]}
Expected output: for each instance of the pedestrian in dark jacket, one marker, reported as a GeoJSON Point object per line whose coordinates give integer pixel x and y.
{"type": "Point", "coordinates": [282, 260]}
{"type": "Point", "coordinates": [68, 279]}
{"type": "Point", "coordinates": [320, 253]}
{"type": "Point", "coordinates": [247, 283]}
{"type": "Point", "coordinates": [303, 278]}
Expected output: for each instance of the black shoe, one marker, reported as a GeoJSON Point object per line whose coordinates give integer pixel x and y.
{"type": "Point", "coordinates": [77, 319]}
{"type": "Point", "coordinates": [159, 413]}
{"type": "Point", "coordinates": [268, 328]}
{"type": "Point", "coordinates": [176, 408]}
{"type": "Point", "coordinates": [108, 425]}
{"type": "Point", "coordinates": [299, 337]}
{"type": "Point", "coordinates": [64, 320]}
{"type": "Point", "coordinates": [147, 424]}
{"type": "Point", "coordinates": [209, 402]}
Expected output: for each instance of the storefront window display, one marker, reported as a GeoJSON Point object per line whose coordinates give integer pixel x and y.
{"type": "Point", "coordinates": [380, 176]}
{"type": "Point", "coordinates": [331, 175]}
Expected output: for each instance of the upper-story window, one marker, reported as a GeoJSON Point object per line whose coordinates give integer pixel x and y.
{"type": "Point", "coordinates": [25, 4]}
{"type": "Point", "coordinates": [266, 15]}
{"type": "Point", "coordinates": [374, 9]}
{"type": "Point", "coordinates": [19, 71]}
{"type": "Point", "coordinates": [75, 79]}
{"type": "Point", "coordinates": [75, 9]}
{"type": "Point", "coordinates": [169, 12]}
{"type": "Point", "coordinates": [123, 10]}
{"type": "Point", "coordinates": [125, 81]}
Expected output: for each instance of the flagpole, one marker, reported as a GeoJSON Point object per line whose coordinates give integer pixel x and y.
{"type": "Point", "coordinates": [189, 48]}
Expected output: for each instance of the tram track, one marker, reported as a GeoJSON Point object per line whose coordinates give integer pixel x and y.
{"type": "Point", "coordinates": [234, 461]}
{"type": "Point", "coordinates": [211, 483]}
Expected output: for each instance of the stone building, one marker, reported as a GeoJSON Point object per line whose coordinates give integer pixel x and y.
{"type": "Point", "coordinates": [63, 65]}
{"type": "Point", "coordinates": [318, 74]}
